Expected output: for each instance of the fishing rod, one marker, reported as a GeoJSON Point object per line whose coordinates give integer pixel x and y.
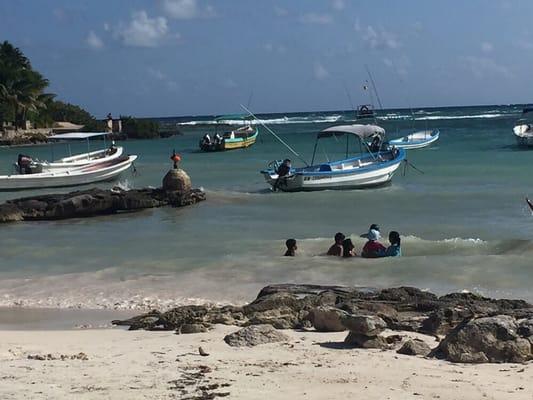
{"type": "Point", "coordinates": [374, 86]}
{"type": "Point", "coordinates": [275, 135]}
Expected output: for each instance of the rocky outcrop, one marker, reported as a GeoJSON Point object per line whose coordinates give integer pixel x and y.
{"type": "Point", "coordinates": [489, 339]}
{"type": "Point", "coordinates": [254, 335]}
{"type": "Point", "coordinates": [415, 347]}
{"type": "Point", "coordinates": [366, 313]}
{"type": "Point", "coordinates": [93, 202]}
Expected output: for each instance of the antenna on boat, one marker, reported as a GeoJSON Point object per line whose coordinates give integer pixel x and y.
{"type": "Point", "coordinates": [274, 134]}
{"type": "Point", "coordinates": [374, 86]}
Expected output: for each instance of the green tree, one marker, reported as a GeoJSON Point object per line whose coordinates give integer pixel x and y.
{"type": "Point", "coordinates": [21, 88]}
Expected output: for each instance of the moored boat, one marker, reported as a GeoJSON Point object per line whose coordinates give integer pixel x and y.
{"type": "Point", "coordinates": [240, 138]}
{"type": "Point", "coordinates": [374, 167]}
{"type": "Point", "coordinates": [77, 160]}
{"type": "Point", "coordinates": [82, 175]}
{"type": "Point", "coordinates": [523, 130]}
{"type": "Point", "coordinates": [416, 140]}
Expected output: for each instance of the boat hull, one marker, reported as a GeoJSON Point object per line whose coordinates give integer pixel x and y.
{"type": "Point", "coordinates": [81, 160]}
{"type": "Point", "coordinates": [523, 135]}
{"type": "Point", "coordinates": [232, 143]}
{"type": "Point", "coordinates": [416, 140]}
{"type": "Point", "coordinates": [103, 171]}
{"type": "Point", "coordinates": [358, 178]}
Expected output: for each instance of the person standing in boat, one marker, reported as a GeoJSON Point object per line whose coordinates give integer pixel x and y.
{"type": "Point", "coordinates": [283, 171]}
{"type": "Point", "coordinates": [372, 248]}
{"type": "Point", "coordinates": [336, 249]}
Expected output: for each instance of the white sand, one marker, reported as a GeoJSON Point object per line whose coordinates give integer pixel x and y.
{"type": "Point", "coordinates": [153, 365]}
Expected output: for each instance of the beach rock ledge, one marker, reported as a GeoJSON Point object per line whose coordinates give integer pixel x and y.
{"type": "Point", "coordinates": [93, 202]}
{"type": "Point", "coordinates": [469, 327]}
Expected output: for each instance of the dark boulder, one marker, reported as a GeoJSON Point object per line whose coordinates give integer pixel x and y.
{"type": "Point", "coordinates": [488, 339]}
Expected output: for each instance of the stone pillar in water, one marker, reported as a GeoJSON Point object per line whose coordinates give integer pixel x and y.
{"type": "Point", "coordinates": [177, 180]}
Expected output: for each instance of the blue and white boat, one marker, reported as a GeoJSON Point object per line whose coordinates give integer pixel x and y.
{"type": "Point", "coordinates": [416, 140]}
{"type": "Point", "coordinates": [372, 167]}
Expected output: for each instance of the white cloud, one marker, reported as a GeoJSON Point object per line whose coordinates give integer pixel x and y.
{"type": "Point", "coordinates": [180, 9]}
{"type": "Point", "coordinates": [280, 12]}
{"type": "Point", "coordinates": [487, 47]}
{"type": "Point", "coordinates": [143, 31]}
{"type": "Point", "coordinates": [483, 67]}
{"type": "Point", "coordinates": [107, 27]}
{"type": "Point", "coordinates": [274, 48]}
{"type": "Point", "coordinates": [312, 18]}
{"type": "Point", "coordinates": [94, 41]}
{"type": "Point", "coordinates": [157, 74]}
{"type": "Point", "coordinates": [229, 83]}
{"type": "Point", "coordinates": [380, 39]}
{"type": "Point", "coordinates": [186, 9]}
{"type": "Point", "coordinates": [524, 45]}
{"type": "Point", "coordinates": [338, 4]}
{"type": "Point", "coordinates": [320, 72]}
{"type": "Point", "coordinates": [400, 65]}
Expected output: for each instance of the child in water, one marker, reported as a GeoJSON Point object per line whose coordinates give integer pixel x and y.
{"type": "Point", "coordinates": [394, 250]}
{"type": "Point", "coordinates": [291, 247]}
{"type": "Point", "coordinates": [336, 249]}
{"type": "Point", "coordinates": [348, 249]}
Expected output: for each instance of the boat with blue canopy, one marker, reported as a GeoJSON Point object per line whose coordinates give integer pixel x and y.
{"type": "Point", "coordinates": [375, 166]}
{"type": "Point", "coordinates": [239, 138]}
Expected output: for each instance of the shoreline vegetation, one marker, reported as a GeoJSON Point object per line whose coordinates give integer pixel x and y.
{"type": "Point", "coordinates": [28, 114]}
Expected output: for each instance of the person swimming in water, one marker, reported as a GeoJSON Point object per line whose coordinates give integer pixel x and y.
{"type": "Point", "coordinates": [348, 249]}
{"type": "Point", "coordinates": [291, 247]}
{"type": "Point", "coordinates": [373, 248]}
{"type": "Point", "coordinates": [336, 249]}
{"type": "Point", "coordinates": [394, 250]}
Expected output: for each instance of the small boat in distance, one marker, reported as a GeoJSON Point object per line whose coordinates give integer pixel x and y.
{"type": "Point", "coordinates": [416, 140]}
{"type": "Point", "coordinates": [365, 111]}
{"type": "Point", "coordinates": [523, 130]}
{"type": "Point", "coordinates": [374, 167]}
{"type": "Point", "coordinates": [240, 138]}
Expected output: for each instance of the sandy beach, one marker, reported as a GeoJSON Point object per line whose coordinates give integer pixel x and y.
{"type": "Point", "coordinates": [114, 363]}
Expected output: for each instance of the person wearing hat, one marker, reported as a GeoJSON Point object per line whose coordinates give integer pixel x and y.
{"type": "Point", "coordinates": [372, 248]}
{"type": "Point", "coordinates": [373, 226]}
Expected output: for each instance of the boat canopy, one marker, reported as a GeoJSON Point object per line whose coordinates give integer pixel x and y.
{"type": "Point", "coordinates": [363, 131]}
{"type": "Point", "coordinates": [231, 117]}
{"type": "Point", "coordinates": [77, 135]}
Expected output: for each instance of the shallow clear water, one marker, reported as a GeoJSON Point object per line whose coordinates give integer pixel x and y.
{"type": "Point", "coordinates": [464, 222]}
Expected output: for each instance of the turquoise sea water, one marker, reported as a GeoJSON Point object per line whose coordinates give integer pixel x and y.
{"type": "Point", "coordinates": [464, 222]}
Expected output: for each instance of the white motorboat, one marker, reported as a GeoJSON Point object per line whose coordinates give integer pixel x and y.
{"type": "Point", "coordinates": [416, 140]}
{"type": "Point", "coordinates": [95, 172]}
{"type": "Point", "coordinates": [373, 168]}
{"type": "Point", "coordinates": [79, 160]}
{"type": "Point", "coordinates": [523, 130]}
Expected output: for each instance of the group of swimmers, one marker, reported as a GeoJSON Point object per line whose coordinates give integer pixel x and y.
{"type": "Point", "coordinates": [343, 247]}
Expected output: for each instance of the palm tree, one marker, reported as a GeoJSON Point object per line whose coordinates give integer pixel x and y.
{"type": "Point", "coordinates": [21, 88]}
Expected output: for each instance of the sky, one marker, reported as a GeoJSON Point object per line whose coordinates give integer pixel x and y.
{"type": "Point", "coordinates": [202, 57]}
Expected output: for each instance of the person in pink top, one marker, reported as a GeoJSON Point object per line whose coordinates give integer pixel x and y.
{"type": "Point", "coordinates": [372, 248]}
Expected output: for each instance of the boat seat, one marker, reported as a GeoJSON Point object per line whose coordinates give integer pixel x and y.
{"type": "Point", "coordinates": [325, 168]}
